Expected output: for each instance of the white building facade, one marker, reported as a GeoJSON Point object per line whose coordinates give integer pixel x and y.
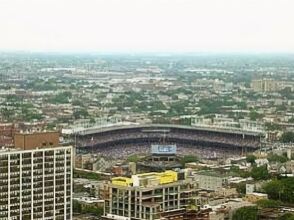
{"type": "Point", "coordinates": [36, 184]}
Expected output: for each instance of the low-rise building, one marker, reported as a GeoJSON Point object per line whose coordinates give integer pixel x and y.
{"type": "Point", "coordinates": [210, 180]}
{"type": "Point", "coordinates": [254, 197]}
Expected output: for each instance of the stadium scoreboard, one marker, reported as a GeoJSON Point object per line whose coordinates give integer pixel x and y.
{"type": "Point", "coordinates": [163, 149]}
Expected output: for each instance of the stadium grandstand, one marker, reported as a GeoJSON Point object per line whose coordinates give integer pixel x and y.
{"type": "Point", "coordinates": [122, 141]}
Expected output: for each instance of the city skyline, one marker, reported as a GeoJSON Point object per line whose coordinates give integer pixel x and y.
{"type": "Point", "coordinates": [147, 26]}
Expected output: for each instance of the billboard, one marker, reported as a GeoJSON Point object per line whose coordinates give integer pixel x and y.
{"type": "Point", "coordinates": [163, 149]}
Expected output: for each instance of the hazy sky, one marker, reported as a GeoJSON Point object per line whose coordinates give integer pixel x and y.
{"type": "Point", "coordinates": [147, 25]}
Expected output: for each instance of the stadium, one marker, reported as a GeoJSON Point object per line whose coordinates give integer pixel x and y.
{"type": "Point", "coordinates": [121, 141]}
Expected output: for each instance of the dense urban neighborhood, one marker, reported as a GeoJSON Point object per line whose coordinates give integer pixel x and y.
{"type": "Point", "coordinates": [148, 136]}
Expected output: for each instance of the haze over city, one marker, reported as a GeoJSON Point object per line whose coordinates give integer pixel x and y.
{"type": "Point", "coordinates": [147, 25]}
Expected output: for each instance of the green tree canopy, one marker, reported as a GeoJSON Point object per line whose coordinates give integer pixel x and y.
{"type": "Point", "coordinates": [277, 158]}
{"type": "Point", "coordinates": [189, 159]}
{"type": "Point", "coordinates": [86, 175]}
{"type": "Point", "coordinates": [254, 115]}
{"type": "Point", "coordinates": [61, 98]}
{"type": "Point", "coordinates": [250, 158]}
{"type": "Point", "coordinates": [80, 113]}
{"type": "Point", "coordinates": [260, 173]}
{"type": "Point", "coordinates": [246, 213]}
{"type": "Point", "coordinates": [133, 158]}
{"type": "Point", "coordinates": [282, 189]}
{"type": "Point", "coordinates": [291, 120]}
{"type": "Point", "coordinates": [268, 203]}
{"type": "Point", "coordinates": [287, 137]}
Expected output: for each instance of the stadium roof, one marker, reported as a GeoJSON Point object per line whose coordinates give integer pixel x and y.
{"type": "Point", "coordinates": [89, 131]}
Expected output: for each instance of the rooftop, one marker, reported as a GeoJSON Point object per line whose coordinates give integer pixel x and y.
{"type": "Point", "coordinates": [147, 179]}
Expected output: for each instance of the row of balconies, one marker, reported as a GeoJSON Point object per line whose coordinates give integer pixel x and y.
{"type": "Point", "coordinates": [27, 159]}
{"type": "Point", "coordinates": [3, 157]}
{"type": "Point", "coordinates": [14, 175]}
{"type": "Point", "coordinates": [3, 170]}
{"type": "Point", "coordinates": [3, 165]}
{"type": "Point", "coordinates": [14, 157]}
{"type": "Point", "coordinates": [14, 162]}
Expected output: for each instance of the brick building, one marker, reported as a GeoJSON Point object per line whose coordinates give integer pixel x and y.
{"type": "Point", "coordinates": [27, 141]}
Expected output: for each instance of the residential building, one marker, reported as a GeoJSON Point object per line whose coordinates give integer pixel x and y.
{"type": "Point", "coordinates": [150, 195]}
{"type": "Point", "coordinates": [211, 180]}
{"type": "Point", "coordinates": [36, 184]}
{"type": "Point", "coordinates": [264, 85]}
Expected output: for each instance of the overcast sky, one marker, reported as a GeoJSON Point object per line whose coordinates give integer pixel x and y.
{"type": "Point", "coordinates": [147, 25]}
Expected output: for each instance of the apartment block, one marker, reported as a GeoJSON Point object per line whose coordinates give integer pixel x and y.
{"type": "Point", "coordinates": [36, 184]}
{"type": "Point", "coordinates": [150, 196]}
{"type": "Point", "coordinates": [264, 85]}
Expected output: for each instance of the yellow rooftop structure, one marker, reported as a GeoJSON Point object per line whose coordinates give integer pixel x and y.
{"type": "Point", "coordinates": [147, 179]}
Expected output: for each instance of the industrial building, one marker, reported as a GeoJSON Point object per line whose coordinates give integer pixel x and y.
{"type": "Point", "coordinates": [36, 184]}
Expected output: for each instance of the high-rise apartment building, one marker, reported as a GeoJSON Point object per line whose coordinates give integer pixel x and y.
{"type": "Point", "coordinates": [36, 184]}
{"type": "Point", "coordinates": [149, 196]}
{"type": "Point", "coordinates": [264, 85]}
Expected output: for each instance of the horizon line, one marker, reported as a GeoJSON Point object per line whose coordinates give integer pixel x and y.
{"type": "Point", "coordinates": [136, 52]}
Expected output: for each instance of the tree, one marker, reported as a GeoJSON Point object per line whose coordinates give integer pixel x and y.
{"type": "Point", "coordinates": [6, 114]}
{"type": "Point", "coordinates": [268, 203]}
{"type": "Point", "coordinates": [286, 92]}
{"type": "Point", "coordinates": [274, 189]}
{"type": "Point", "coordinates": [272, 126]}
{"type": "Point", "coordinates": [254, 115]}
{"type": "Point", "coordinates": [77, 103]}
{"type": "Point", "coordinates": [92, 121]}
{"type": "Point", "coordinates": [133, 158]}
{"type": "Point", "coordinates": [260, 173]}
{"type": "Point", "coordinates": [86, 175]}
{"type": "Point", "coordinates": [92, 210]}
{"type": "Point", "coordinates": [51, 126]}
{"type": "Point", "coordinates": [282, 189]}
{"type": "Point", "coordinates": [246, 213]}
{"type": "Point", "coordinates": [277, 158]}
{"type": "Point", "coordinates": [77, 207]}
{"type": "Point", "coordinates": [80, 113]}
{"type": "Point", "coordinates": [61, 98]}
{"type": "Point", "coordinates": [287, 216]}
{"type": "Point", "coordinates": [287, 137]}
{"type": "Point", "coordinates": [291, 120]}
{"type": "Point", "coordinates": [189, 159]}
{"type": "Point", "coordinates": [281, 108]}
{"type": "Point", "coordinates": [241, 188]}
{"type": "Point", "coordinates": [250, 158]}
{"type": "Point", "coordinates": [97, 211]}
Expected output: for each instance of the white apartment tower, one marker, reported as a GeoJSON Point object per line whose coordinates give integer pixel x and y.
{"type": "Point", "coordinates": [36, 184]}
